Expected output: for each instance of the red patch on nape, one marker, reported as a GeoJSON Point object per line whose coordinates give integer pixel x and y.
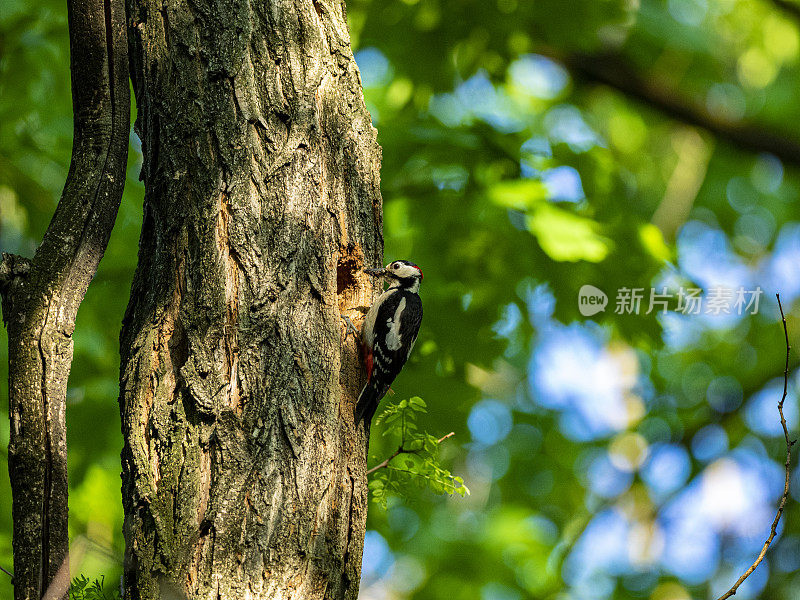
{"type": "Point", "coordinates": [421, 276]}
{"type": "Point", "coordinates": [369, 365]}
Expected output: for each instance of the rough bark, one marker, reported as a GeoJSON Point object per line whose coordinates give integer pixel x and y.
{"type": "Point", "coordinates": [243, 473]}
{"type": "Point", "coordinates": [41, 297]}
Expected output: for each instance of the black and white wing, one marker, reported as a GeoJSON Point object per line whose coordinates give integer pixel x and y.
{"type": "Point", "coordinates": [395, 331]}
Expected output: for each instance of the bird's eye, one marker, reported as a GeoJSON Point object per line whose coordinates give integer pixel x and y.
{"type": "Point", "coordinates": [395, 266]}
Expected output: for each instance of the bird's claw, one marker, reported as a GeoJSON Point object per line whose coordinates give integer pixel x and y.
{"type": "Point", "coordinates": [350, 327]}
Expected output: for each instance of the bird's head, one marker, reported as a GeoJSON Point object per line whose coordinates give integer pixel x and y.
{"type": "Point", "coordinates": [403, 271]}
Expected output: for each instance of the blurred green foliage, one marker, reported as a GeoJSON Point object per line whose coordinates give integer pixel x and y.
{"type": "Point", "coordinates": [622, 455]}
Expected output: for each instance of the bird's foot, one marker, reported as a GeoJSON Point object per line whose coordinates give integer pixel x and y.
{"type": "Point", "coordinates": [350, 327]}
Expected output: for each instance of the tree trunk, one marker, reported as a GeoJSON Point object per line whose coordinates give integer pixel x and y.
{"type": "Point", "coordinates": [41, 297]}
{"type": "Point", "coordinates": [243, 473]}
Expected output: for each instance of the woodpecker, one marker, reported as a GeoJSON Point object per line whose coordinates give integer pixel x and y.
{"type": "Point", "coordinates": [389, 332]}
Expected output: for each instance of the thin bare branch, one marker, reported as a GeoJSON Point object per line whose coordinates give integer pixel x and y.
{"type": "Point", "coordinates": [444, 437]}
{"type": "Point", "coordinates": [789, 444]}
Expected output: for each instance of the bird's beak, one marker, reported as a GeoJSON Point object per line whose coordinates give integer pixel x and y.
{"type": "Point", "coordinates": [376, 272]}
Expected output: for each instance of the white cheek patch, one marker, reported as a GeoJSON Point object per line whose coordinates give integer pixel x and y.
{"type": "Point", "coordinates": [393, 339]}
{"type": "Point", "coordinates": [406, 271]}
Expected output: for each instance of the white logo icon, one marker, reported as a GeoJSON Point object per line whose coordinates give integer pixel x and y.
{"type": "Point", "coordinates": [591, 300]}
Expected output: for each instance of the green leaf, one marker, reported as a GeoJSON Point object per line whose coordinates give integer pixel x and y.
{"type": "Point", "coordinates": [518, 194]}
{"type": "Point", "coordinates": [565, 236]}
{"type": "Point", "coordinates": [392, 418]}
{"type": "Point", "coordinates": [417, 401]}
{"type": "Point", "coordinates": [82, 588]}
{"type": "Point", "coordinates": [653, 241]}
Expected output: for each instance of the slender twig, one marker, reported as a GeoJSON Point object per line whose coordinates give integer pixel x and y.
{"type": "Point", "coordinates": [402, 450]}
{"type": "Point", "coordinates": [9, 573]}
{"type": "Point", "coordinates": [789, 444]}
{"type": "Point", "coordinates": [386, 462]}
{"type": "Point", "coordinates": [444, 437]}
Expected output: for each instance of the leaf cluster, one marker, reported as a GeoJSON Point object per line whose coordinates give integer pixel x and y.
{"type": "Point", "coordinates": [82, 588]}
{"type": "Point", "coordinates": [416, 460]}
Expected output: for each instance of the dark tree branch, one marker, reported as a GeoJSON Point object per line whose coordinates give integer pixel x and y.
{"type": "Point", "coordinates": [614, 71]}
{"type": "Point", "coordinates": [41, 297]}
{"type": "Point", "coordinates": [789, 7]}
{"type": "Point", "coordinates": [789, 444]}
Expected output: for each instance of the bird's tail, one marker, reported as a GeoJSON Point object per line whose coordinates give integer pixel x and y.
{"type": "Point", "coordinates": [368, 401]}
